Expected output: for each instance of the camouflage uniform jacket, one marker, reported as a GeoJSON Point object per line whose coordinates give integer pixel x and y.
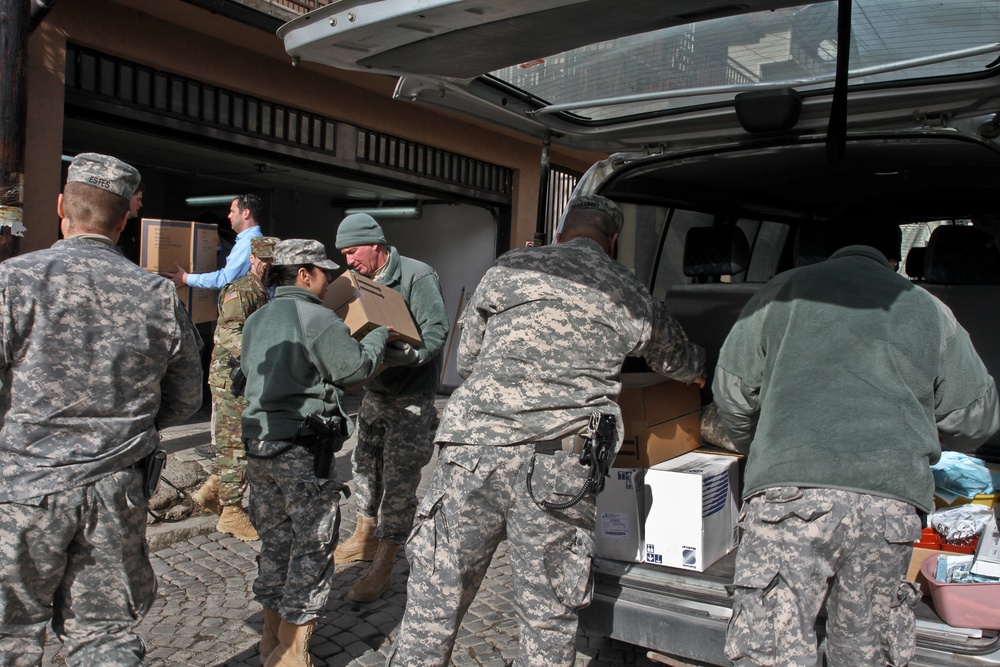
{"type": "Point", "coordinates": [236, 301]}
{"type": "Point", "coordinates": [99, 354]}
{"type": "Point", "coordinates": [844, 375]}
{"type": "Point", "coordinates": [418, 283]}
{"type": "Point", "coordinates": [543, 340]}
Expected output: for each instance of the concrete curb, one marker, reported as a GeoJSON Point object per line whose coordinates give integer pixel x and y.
{"type": "Point", "coordinates": [162, 535]}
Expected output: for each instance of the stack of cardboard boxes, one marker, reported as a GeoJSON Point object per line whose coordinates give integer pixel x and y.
{"type": "Point", "coordinates": [665, 503]}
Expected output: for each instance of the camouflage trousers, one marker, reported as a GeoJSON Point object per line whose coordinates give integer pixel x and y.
{"type": "Point", "coordinates": [803, 546]}
{"type": "Point", "coordinates": [230, 462]}
{"type": "Point", "coordinates": [395, 441]}
{"type": "Point", "coordinates": [477, 498]}
{"type": "Point", "coordinates": [76, 559]}
{"type": "Point", "coordinates": [297, 516]}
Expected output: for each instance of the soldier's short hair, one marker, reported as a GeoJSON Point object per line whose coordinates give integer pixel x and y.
{"type": "Point", "coordinates": [91, 209]}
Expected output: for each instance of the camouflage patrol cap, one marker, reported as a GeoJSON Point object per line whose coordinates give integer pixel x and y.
{"type": "Point", "coordinates": [302, 251]}
{"type": "Point", "coordinates": [262, 247]}
{"type": "Point", "coordinates": [598, 203]}
{"type": "Point", "coordinates": [105, 172]}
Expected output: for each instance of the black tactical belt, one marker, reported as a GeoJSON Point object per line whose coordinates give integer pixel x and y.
{"type": "Point", "coordinates": [571, 444]}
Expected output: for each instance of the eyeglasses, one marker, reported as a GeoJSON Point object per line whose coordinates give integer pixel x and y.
{"type": "Point", "coordinates": [250, 201]}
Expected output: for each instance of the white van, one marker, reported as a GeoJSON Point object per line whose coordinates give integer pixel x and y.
{"type": "Point", "coordinates": [747, 119]}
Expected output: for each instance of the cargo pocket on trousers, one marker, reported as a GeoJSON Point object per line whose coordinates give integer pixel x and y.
{"type": "Point", "coordinates": [569, 571]}
{"type": "Point", "coordinates": [421, 545]}
{"type": "Point", "coordinates": [751, 634]}
{"type": "Point", "coordinates": [900, 638]}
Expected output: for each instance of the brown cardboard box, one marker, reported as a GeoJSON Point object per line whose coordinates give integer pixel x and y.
{"type": "Point", "coordinates": [365, 305]}
{"type": "Point", "coordinates": [662, 420]}
{"type": "Point", "coordinates": [916, 560]}
{"type": "Point", "coordinates": [193, 245]}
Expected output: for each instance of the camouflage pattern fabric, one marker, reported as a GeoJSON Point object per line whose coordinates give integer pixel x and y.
{"type": "Point", "coordinates": [477, 498]}
{"type": "Point", "coordinates": [798, 546]}
{"type": "Point", "coordinates": [99, 353]}
{"type": "Point", "coordinates": [104, 172]}
{"type": "Point", "coordinates": [104, 345]}
{"type": "Point", "coordinates": [87, 546]}
{"type": "Point", "coordinates": [297, 516]}
{"type": "Point", "coordinates": [712, 431]}
{"type": "Point", "coordinates": [237, 301]}
{"type": "Point", "coordinates": [543, 340]}
{"type": "Point", "coordinates": [395, 441]}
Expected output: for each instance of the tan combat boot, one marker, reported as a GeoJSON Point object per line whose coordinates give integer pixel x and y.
{"type": "Point", "coordinates": [361, 545]}
{"type": "Point", "coordinates": [235, 522]}
{"type": "Point", "coordinates": [378, 577]}
{"type": "Point", "coordinates": [207, 497]}
{"type": "Point", "coordinates": [269, 637]}
{"type": "Point", "coordinates": [293, 650]}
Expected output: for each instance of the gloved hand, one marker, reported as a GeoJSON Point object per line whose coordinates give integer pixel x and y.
{"type": "Point", "coordinates": [399, 353]}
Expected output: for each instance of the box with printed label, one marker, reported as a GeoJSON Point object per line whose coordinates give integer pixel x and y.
{"type": "Point", "coordinates": [692, 510]}
{"type": "Point", "coordinates": [620, 514]}
{"type": "Point", "coordinates": [662, 419]}
{"type": "Point", "coordinates": [194, 246]}
{"type": "Point", "coordinates": [987, 562]}
{"type": "Point", "coordinates": [365, 305]}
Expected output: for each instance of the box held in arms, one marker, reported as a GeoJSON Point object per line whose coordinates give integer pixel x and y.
{"type": "Point", "coordinates": [365, 305]}
{"type": "Point", "coordinates": [661, 417]}
{"type": "Point", "coordinates": [692, 509]}
{"type": "Point", "coordinates": [620, 516]}
{"type": "Point", "coordinates": [193, 245]}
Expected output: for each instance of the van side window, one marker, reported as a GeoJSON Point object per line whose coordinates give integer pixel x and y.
{"type": "Point", "coordinates": [670, 268]}
{"type": "Point", "coordinates": [766, 248]}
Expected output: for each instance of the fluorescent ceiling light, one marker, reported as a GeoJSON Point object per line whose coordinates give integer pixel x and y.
{"type": "Point", "coordinates": [387, 211]}
{"type": "Point", "coordinates": [212, 200]}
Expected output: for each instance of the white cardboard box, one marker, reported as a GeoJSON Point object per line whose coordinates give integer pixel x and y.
{"type": "Point", "coordinates": [987, 561]}
{"type": "Point", "coordinates": [620, 514]}
{"type": "Point", "coordinates": [691, 510]}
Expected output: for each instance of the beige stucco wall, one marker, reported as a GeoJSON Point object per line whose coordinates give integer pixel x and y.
{"type": "Point", "coordinates": [178, 37]}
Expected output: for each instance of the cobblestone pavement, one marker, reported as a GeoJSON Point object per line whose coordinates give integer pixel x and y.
{"type": "Point", "coordinates": [205, 614]}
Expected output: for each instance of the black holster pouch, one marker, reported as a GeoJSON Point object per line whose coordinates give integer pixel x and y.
{"type": "Point", "coordinates": [152, 470]}
{"type": "Point", "coordinates": [324, 437]}
{"type": "Point", "coordinates": [238, 381]}
{"type": "Point", "coordinates": [598, 450]}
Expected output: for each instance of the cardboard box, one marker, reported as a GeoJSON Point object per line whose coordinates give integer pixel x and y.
{"type": "Point", "coordinates": [916, 560]}
{"type": "Point", "coordinates": [365, 305]}
{"type": "Point", "coordinates": [193, 245]}
{"type": "Point", "coordinates": [662, 419]}
{"type": "Point", "coordinates": [620, 515]}
{"type": "Point", "coordinates": [692, 510]}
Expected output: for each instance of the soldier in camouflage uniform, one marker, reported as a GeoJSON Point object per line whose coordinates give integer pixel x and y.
{"type": "Point", "coordinates": [397, 416]}
{"type": "Point", "coordinates": [99, 354]}
{"type": "Point", "coordinates": [223, 492]}
{"type": "Point", "coordinates": [840, 379]}
{"type": "Point", "coordinates": [297, 356]}
{"type": "Point", "coordinates": [543, 340]}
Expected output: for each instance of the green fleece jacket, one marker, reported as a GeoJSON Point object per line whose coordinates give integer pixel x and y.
{"type": "Point", "coordinates": [297, 355]}
{"type": "Point", "coordinates": [845, 375]}
{"type": "Point", "coordinates": [418, 283]}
